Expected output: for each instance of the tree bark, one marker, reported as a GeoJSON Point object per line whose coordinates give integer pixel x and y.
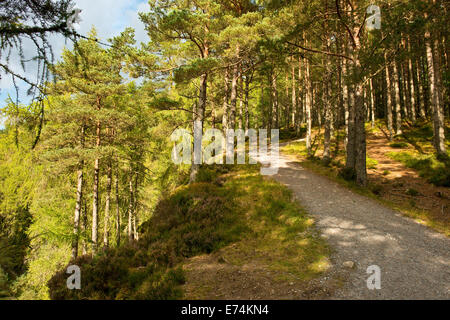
{"type": "Point", "coordinates": [225, 103]}
{"type": "Point", "coordinates": [130, 210]}
{"type": "Point", "coordinates": [233, 96]}
{"type": "Point", "coordinates": [78, 204]}
{"type": "Point", "coordinates": [246, 95]}
{"type": "Point", "coordinates": [308, 99]}
{"type": "Point", "coordinates": [435, 88]}
{"type": "Point", "coordinates": [275, 108]}
{"type": "Point", "coordinates": [95, 202]}
{"type": "Point", "coordinates": [398, 111]}
{"type": "Point", "coordinates": [117, 210]}
{"type": "Point", "coordinates": [293, 98]}
{"type": "Point", "coordinates": [107, 205]}
{"type": "Point", "coordinates": [389, 118]}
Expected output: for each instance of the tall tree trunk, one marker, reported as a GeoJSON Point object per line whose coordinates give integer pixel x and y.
{"type": "Point", "coordinates": [346, 98]}
{"type": "Point", "coordinates": [135, 208]}
{"type": "Point", "coordinates": [233, 96]}
{"type": "Point", "coordinates": [435, 90]}
{"type": "Point", "coordinates": [84, 226]}
{"type": "Point", "coordinates": [130, 209]}
{"type": "Point", "coordinates": [286, 114]}
{"type": "Point", "coordinates": [420, 91]}
{"type": "Point", "coordinates": [398, 111]}
{"type": "Point", "coordinates": [275, 107]}
{"type": "Point", "coordinates": [356, 146]}
{"type": "Point", "coordinates": [308, 99]}
{"type": "Point", "coordinates": [327, 106]}
{"type": "Point", "coordinates": [78, 203]}
{"type": "Point", "coordinates": [241, 103]}
{"type": "Point", "coordinates": [372, 103]}
{"type": "Point", "coordinates": [225, 103]}
{"type": "Point", "coordinates": [293, 98]}
{"type": "Point", "coordinates": [198, 128]}
{"type": "Point", "coordinates": [412, 92]}
{"type": "Point", "coordinates": [95, 202]}
{"type": "Point", "coordinates": [107, 205]}
{"type": "Point", "coordinates": [246, 94]}
{"type": "Point", "coordinates": [117, 210]}
{"type": "Point", "coordinates": [389, 118]}
{"type": "Point", "coordinates": [198, 117]}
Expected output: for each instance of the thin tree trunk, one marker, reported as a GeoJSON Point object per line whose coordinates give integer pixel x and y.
{"type": "Point", "coordinates": [308, 106]}
{"type": "Point", "coordinates": [225, 103]}
{"type": "Point", "coordinates": [412, 92]}
{"type": "Point", "coordinates": [398, 111]}
{"type": "Point", "coordinates": [76, 219]}
{"type": "Point", "coordinates": [84, 226]}
{"type": "Point", "coordinates": [246, 94]}
{"type": "Point", "coordinates": [107, 205]}
{"type": "Point", "coordinates": [420, 91]}
{"type": "Point", "coordinates": [130, 210]}
{"type": "Point", "coordinates": [389, 117]}
{"type": "Point", "coordinates": [372, 103]}
{"type": "Point", "coordinates": [233, 96]}
{"type": "Point", "coordinates": [135, 208]}
{"type": "Point", "coordinates": [275, 107]}
{"type": "Point", "coordinates": [241, 104]}
{"type": "Point", "coordinates": [117, 210]}
{"type": "Point", "coordinates": [198, 125]}
{"type": "Point", "coordinates": [198, 117]}
{"type": "Point", "coordinates": [346, 98]}
{"type": "Point", "coordinates": [435, 88]}
{"type": "Point", "coordinates": [95, 202]}
{"type": "Point", "coordinates": [293, 98]}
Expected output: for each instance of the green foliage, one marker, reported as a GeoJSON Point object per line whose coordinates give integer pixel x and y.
{"type": "Point", "coordinates": [412, 192]}
{"type": "Point", "coordinates": [199, 218]}
{"type": "Point", "coordinates": [347, 174]}
{"type": "Point", "coordinates": [398, 145]}
{"type": "Point", "coordinates": [376, 189]}
{"type": "Point", "coordinates": [4, 285]}
{"type": "Point", "coordinates": [435, 171]}
{"type": "Point", "coordinates": [195, 69]}
{"type": "Point", "coordinates": [371, 163]}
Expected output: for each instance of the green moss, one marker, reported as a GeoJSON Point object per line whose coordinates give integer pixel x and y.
{"type": "Point", "coordinates": [412, 192]}
{"type": "Point", "coordinates": [398, 145]}
{"type": "Point", "coordinates": [371, 163]}
{"type": "Point", "coordinates": [428, 166]}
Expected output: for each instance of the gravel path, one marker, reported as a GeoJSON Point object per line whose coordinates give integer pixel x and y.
{"type": "Point", "coordinates": [414, 260]}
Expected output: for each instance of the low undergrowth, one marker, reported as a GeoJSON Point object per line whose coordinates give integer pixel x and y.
{"type": "Point", "coordinates": [434, 170]}
{"type": "Point", "coordinates": [230, 205]}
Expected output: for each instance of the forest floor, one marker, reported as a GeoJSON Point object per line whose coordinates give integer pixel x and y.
{"type": "Point", "coordinates": [280, 256]}
{"type": "Point", "coordinates": [400, 174]}
{"type": "Point", "coordinates": [414, 260]}
{"type": "Point", "coordinates": [361, 226]}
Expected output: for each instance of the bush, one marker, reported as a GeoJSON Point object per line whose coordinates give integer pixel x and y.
{"type": "Point", "coordinates": [348, 174]}
{"type": "Point", "coordinates": [4, 285]}
{"type": "Point", "coordinates": [199, 218]}
{"type": "Point", "coordinates": [441, 178]}
{"type": "Point", "coordinates": [398, 145]}
{"type": "Point", "coordinates": [376, 189]}
{"type": "Point", "coordinates": [412, 192]}
{"type": "Point", "coordinates": [436, 169]}
{"type": "Point", "coordinates": [371, 163]}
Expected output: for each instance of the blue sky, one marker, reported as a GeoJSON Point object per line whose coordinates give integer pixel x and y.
{"type": "Point", "coordinates": [110, 17]}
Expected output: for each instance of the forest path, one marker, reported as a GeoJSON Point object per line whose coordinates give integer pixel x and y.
{"type": "Point", "coordinates": [414, 260]}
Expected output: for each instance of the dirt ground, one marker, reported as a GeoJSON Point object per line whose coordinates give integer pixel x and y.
{"type": "Point", "coordinates": [213, 277]}
{"type": "Point", "coordinates": [435, 200]}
